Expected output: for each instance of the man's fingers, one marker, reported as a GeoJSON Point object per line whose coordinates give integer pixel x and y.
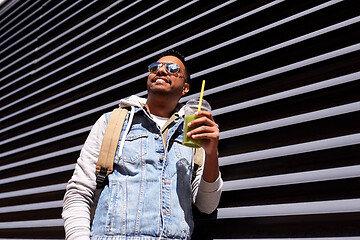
{"type": "Point", "coordinates": [202, 121]}
{"type": "Point", "coordinates": [206, 114]}
{"type": "Point", "coordinates": [206, 131]}
{"type": "Point", "coordinates": [205, 136]}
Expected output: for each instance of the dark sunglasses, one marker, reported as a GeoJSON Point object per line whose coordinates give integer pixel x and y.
{"type": "Point", "coordinates": [170, 67]}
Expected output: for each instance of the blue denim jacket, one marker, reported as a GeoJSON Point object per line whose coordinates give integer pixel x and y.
{"type": "Point", "coordinates": [149, 191]}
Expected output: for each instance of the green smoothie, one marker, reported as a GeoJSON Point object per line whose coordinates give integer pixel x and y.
{"type": "Point", "coordinates": [188, 141]}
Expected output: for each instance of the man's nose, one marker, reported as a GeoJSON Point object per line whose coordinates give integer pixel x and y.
{"type": "Point", "coordinates": [162, 69]}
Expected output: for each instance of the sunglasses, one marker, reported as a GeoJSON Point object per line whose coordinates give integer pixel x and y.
{"type": "Point", "coordinates": [170, 67]}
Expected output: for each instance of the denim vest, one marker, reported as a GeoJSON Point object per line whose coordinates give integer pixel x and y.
{"type": "Point", "coordinates": [149, 191]}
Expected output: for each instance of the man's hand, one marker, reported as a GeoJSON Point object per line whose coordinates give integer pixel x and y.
{"type": "Point", "coordinates": [208, 131]}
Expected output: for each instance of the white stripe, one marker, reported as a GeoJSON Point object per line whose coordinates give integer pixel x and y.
{"type": "Point", "coordinates": [306, 117]}
{"type": "Point", "coordinates": [32, 206]}
{"type": "Point", "coordinates": [115, 70]}
{"type": "Point", "coordinates": [78, 25]}
{"type": "Point", "coordinates": [293, 66]}
{"type": "Point", "coordinates": [84, 56]}
{"type": "Point", "coordinates": [31, 23]}
{"type": "Point", "coordinates": [38, 173]}
{"type": "Point", "coordinates": [37, 39]}
{"type": "Point", "coordinates": [18, 16]}
{"type": "Point", "coordinates": [292, 149]}
{"type": "Point", "coordinates": [329, 112]}
{"type": "Point", "coordinates": [277, 46]}
{"type": "Point", "coordinates": [73, 102]}
{"type": "Point", "coordinates": [304, 208]}
{"type": "Point", "coordinates": [32, 224]}
{"type": "Point", "coordinates": [46, 141]}
{"type": "Point", "coordinates": [32, 238]}
{"type": "Point", "coordinates": [266, 99]}
{"type": "Point", "coordinates": [275, 24]}
{"type": "Point", "coordinates": [320, 114]}
{"type": "Point", "coordinates": [290, 93]}
{"type": "Point", "coordinates": [54, 50]}
{"type": "Point", "coordinates": [310, 238]}
{"type": "Point", "coordinates": [94, 39]}
{"type": "Point", "coordinates": [41, 157]}
{"type": "Point", "coordinates": [67, 53]}
{"type": "Point", "coordinates": [12, 12]}
{"type": "Point", "coordinates": [132, 47]}
{"type": "Point", "coordinates": [49, 188]}
{"type": "Point", "coordinates": [83, 114]}
{"type": "Point", "coordinates": [30, 42]}
{"type": "Point", "coordinates": [293, 178]}
{"type": "Point", "coordinates": [21, 21]}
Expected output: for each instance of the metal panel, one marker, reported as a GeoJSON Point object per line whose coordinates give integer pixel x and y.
{"type": "Point", "coordinates": [282, 78]}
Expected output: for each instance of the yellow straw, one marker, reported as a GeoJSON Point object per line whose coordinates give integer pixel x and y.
{"type": "Point", "coordinates": [201, 95]}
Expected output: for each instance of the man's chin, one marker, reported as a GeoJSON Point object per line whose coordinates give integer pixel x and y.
{"type": "Point", "coordinates": [164, 93]}
{"type": "Point", "coordinates": [159, 90]}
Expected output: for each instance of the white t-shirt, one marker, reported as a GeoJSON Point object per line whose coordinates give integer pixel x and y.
{"type": "Point", "coordinates": [159, 120]}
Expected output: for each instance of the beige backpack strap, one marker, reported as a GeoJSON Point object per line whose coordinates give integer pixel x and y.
{"type": "Point", "coordinates": [104, 165]}
{"type": "Point", "coordinates": [199, 156]}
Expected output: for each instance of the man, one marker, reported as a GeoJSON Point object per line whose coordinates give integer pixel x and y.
{"type": "Point", "coordinates": [149, 194]}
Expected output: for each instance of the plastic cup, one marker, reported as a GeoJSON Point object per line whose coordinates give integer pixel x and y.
{"type": "Point", "coordinates": [191, 107]}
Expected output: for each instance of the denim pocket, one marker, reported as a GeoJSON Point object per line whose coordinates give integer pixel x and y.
{"type": "Point", "coordinates": [135, 146]}
{"type": "Point", "coordinates": [181, 151]}
{"type": "Point", "coordinates": [115, 218]}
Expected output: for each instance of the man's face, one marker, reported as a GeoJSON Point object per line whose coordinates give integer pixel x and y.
{"type": "Point", "coordinates": [165, 83]}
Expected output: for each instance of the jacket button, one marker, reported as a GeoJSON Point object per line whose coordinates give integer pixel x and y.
{"type": "Point", "coordinates": [156, 136]}
{"type": "Point", "coordinates": [161, 158]}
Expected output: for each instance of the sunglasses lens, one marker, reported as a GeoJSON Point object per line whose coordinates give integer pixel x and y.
{"type": "Point", "coordinates": [154, 67]}
{"type": "Point", "coordinates": [172, 68]}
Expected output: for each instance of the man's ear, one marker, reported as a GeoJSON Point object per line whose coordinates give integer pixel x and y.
{"type": "Point", "coordinates": [186, 88]}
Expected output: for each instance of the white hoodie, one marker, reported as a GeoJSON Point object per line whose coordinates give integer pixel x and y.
{"type": "Point", "coordinates": [80, 189]}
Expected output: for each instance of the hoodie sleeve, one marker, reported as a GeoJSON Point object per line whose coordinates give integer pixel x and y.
{"type": "Point", "coordinates": [80, 189]}
{"type": "Point", "coordinates": [206, 195]}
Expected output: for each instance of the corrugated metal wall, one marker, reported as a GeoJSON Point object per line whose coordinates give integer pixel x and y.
{"type": "Point", "coordinates": [282, 78]}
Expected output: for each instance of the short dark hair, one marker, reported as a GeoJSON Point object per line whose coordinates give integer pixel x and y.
{"type": "Point", "coordinates": [175, 53]}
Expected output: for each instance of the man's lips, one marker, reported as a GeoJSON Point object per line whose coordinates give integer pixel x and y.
{"type": "Point", "coordinates": [161, 79]}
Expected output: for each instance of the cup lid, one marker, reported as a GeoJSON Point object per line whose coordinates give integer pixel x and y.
{"type": "Point", "coordinates": [194, 103]}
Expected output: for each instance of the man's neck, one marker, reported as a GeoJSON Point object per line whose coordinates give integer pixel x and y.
{"type": "Point", "coordinates": [161, 107]}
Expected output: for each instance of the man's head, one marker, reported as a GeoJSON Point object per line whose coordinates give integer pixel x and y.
{"type": "Point", "coordinates": [180, 56]}
{"type": "Point", "coordinates": [168, 76]}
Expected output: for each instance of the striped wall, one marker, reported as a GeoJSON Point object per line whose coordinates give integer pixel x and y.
{"type": "Point", "coordinates": [282, 78]}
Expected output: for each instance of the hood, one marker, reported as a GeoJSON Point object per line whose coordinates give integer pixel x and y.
{"type": "Point", "coordinates": [140, 102]}
{"type": "Point", "coordinates": [132, 101]}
